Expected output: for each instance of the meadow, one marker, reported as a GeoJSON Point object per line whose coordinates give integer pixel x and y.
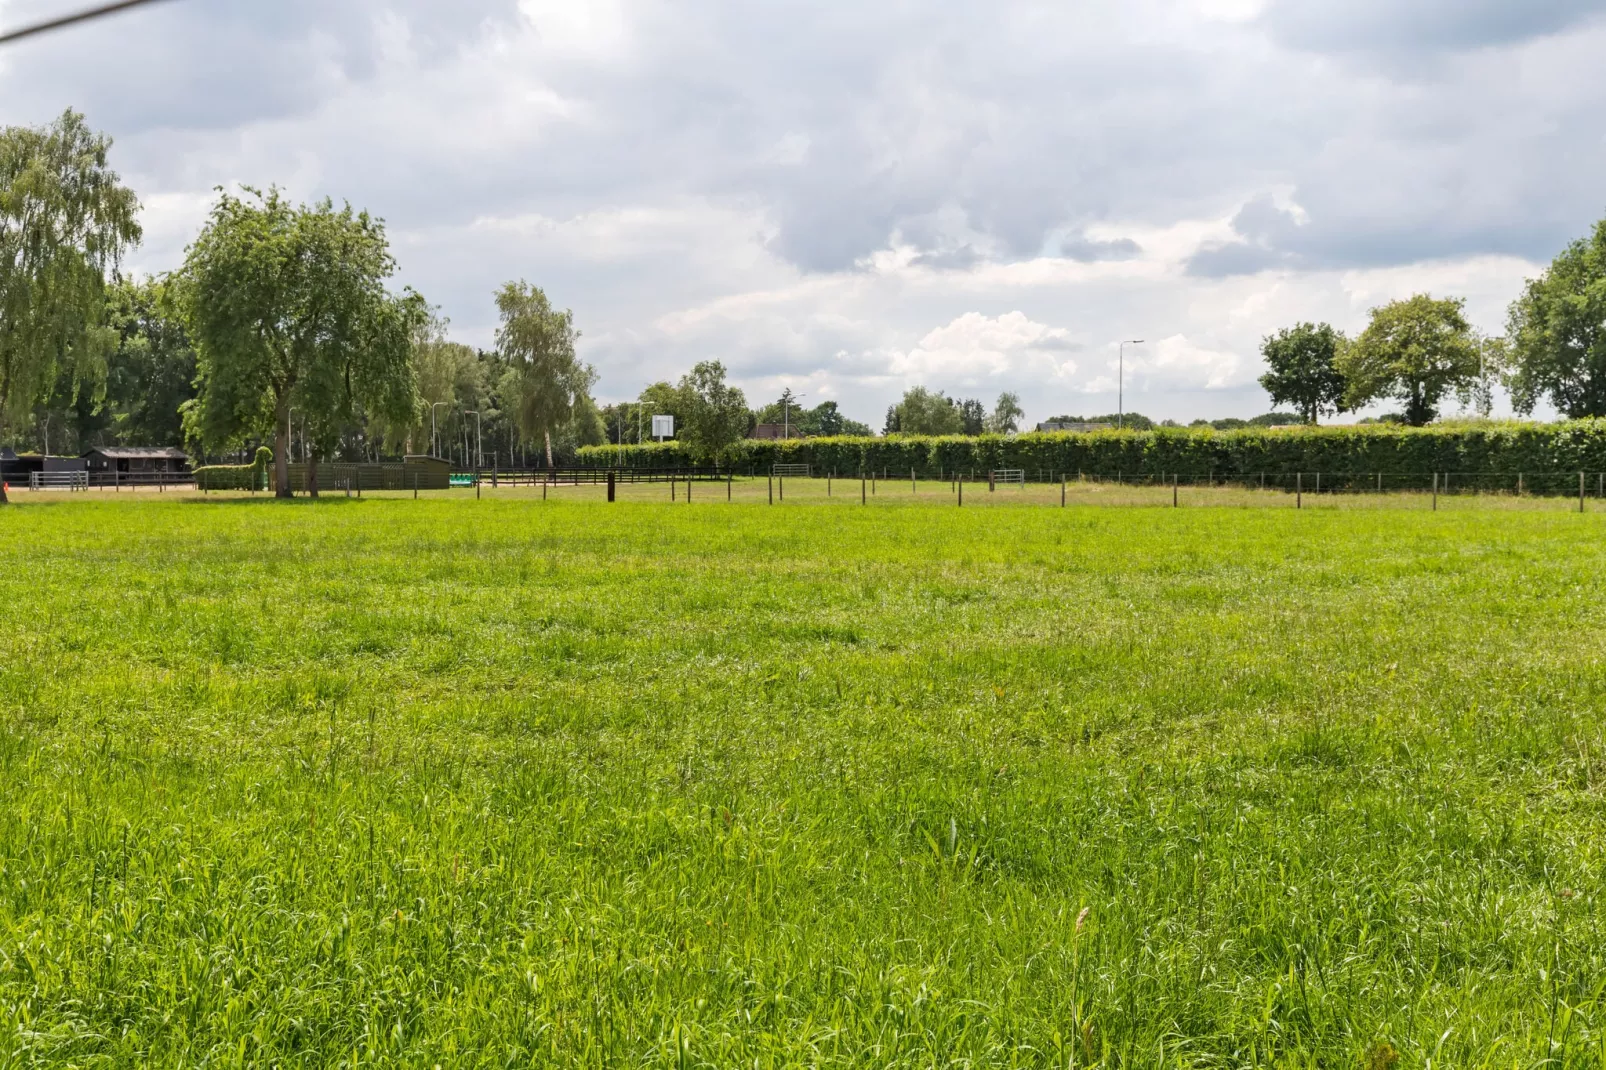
{"type": "Point", "coordinates": [505, 782]}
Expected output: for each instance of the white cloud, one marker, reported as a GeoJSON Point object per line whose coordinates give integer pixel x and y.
{"type": "Point", "coordinates": [804, 189]}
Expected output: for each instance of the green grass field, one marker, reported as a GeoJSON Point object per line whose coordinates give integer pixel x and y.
{"type": "Point", "coordinates": [513, 783]}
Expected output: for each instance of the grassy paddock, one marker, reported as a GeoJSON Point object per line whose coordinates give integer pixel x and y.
{"type": "Point", "coordinates": [490, 783]}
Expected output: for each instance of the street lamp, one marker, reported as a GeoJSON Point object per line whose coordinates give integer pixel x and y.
{"type": "Point", "coordinates": [786, 413]}
{"type": "Point", "coordinates": [479, 453]}
{"type": "Point", "coordinates": [434, 439]}
{"type": "Point", "coordinates": [1120, 382]}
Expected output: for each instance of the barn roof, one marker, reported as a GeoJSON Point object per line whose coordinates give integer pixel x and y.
{"type": "Point", "coordinates": [139, 453]}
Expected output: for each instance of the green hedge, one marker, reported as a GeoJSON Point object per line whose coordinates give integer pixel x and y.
{"type": "Point", "coordinates": [253, 476]}
{"type": "Point", "coordinates": [1490, 449]}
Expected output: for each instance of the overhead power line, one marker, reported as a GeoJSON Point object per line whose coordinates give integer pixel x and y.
{"type": "Point", "coordinates": [68, 20]}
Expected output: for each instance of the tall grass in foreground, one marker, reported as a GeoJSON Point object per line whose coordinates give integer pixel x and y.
{"type": "Point", "coordinates": [501, 783]}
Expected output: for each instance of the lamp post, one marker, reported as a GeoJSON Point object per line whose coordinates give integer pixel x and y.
{"type": "Point", "coordinates": [1120, 381]}
{"type": "Point", "coordinates": [479, 453]}
{"type": "Point", "coordinates": [786, 413]}
{"type": "Point", "coordinates": [434, 439]}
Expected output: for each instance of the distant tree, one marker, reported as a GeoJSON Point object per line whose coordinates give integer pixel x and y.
{"type": "Point", "coordinates": [894, 421]}
{"type": "Point", "coordinates": [1557, 333]}
{"type": "Point", "coordinates": [65, 222]}
{"type": "Point", "coordinates": [924, 412]}
{"type": "Point", "coordinates": [972, 417]}
{"type": "Point", "coordinates": [1417, 350]}
{"type": "Point", "coordinates": [150, 375]}
{"type": "Point", "coordinates": [1275, 419]}
{"type": "Point", "coordinates": [1304, 369]}
{"type": "Point", "coordinates": [287, 308]}
{"type": "Point", "coordinates": [539, 340]}
{"type": "Point", "coordinates": [715, 413]}
{"type": "Point", "coordinates": [1006, 415]}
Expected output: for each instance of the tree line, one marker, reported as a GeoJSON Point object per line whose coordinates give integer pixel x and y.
{"type": "Point", "coordinates": [282, 325]}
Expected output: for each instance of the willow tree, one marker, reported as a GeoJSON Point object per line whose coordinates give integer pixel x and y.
{"type": "Point", "coordinates": [65, 222]}
{"type": "Point", "coordinates": [288, 311]}
{"type": "Point", "coordinates": [538, 340]}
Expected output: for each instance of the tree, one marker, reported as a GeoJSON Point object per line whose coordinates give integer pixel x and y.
{"type": "Point", "coordinates": [972, 417]}
{"type": "Point", "coordinates": [1006, 416]}
{"type": "Point", "coordinates": [539, 341]}
{"type": "Point", "coordinates": [1416, 350]}
{"type": "Point", "coordinates": [150, 375]}
{"type": "Point", "coordinates": [1304, 369]}
{"type": "Point", "coordinates": [287, 308]}
{"type": "Point", "coordinates": [715, 413]}
{"type": "Point", "coordinates": [924, 412]}
{"type": "Point", "coordinates": [1556, 333]}
{"type": "Point", "coordinates": [65, 222]}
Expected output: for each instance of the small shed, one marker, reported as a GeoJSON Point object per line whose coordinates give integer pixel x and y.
{"type": "Point", "coordinates": [136, 459]}
{"type": "Point", "coordinates": [426, 473]}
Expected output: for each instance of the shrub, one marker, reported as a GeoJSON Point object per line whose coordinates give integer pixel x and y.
{"type": "Point", "coordinates": [253, 476]}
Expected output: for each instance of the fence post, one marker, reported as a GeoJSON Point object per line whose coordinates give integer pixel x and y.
{"type": "Point", "coordinates": [1299, 490]}
{"type": "Point", "coordinates": [772, 489]}
{"type": "Point", "coordinates": [862, 499]}
{"type": "Point", "coordinates": [1062, 492]}
{"type": "Point", "coordinates": [727, 484]}
{"type": "Point", "coordinates": [672, 487]}
{"type": "Point", "coordinates": [1519, 484]}
{"type": "Point", "coordinates": [913, 487]}
{"type": "Point", "coordinates": [872, 481]}
{"type": "Point", "coordinates": [780, 487]}
{"type": "Point", "coordinates": [828, 477]}
{"type": "Point", "coordinates": [610, 484]}
{"type": "Point", "coordinates": [961, 485]}
{"type": "Point", "coordinates": [1435, 492]}
{"type": "Point", "coordinates": [1580, 492]}
{"type": "Point", "coordinates": [1173, 490]}
{"type": "Point", "coordinates": [546, 477]}
{"type": "Point", "coordinates": [415, 486]}
{"type": "Point", "coordinates": [992, 481]}
{"type": "Point", "coordinates": [1380, 482]}
{"type": "Point", "coordinates": [688, 490]}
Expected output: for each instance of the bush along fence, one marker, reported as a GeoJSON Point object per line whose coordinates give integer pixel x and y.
{"type": "Point", "coordinates": [253, 476]}
{"type": "Point", "coordinates": [1351, 454]}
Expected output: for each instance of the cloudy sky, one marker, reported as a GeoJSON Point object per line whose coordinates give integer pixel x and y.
{"type": "Point", "coordinates": [850, 198]}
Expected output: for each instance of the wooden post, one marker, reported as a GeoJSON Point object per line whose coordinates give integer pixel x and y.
{"type": "Point", "coordinates": [1062, 492]}
{"type": "Point", "coordinates": [992, 482]}
{"type": "Point", "coordinates": [688, 490]}
{"type": "Point", "coordinates": [872, 481]}
{"type": "Point", "coordinates": [862, 499]}
{"type": "Point", "coordinates": [1173, 490]}
{"type": "Point", "coordinates": [1435, 492]}
{"type": "Point", "coordinates": [672, 487]}
{"type": "Point", "coordinates": [1580, 492]}
{"type": "Point", "coordinates": [772, 489]}
{"type": "Point", "coordinates": [493, 475]}
{"type": "Point", "coordinates": [780, 486]}
{"type": "Point", "coordinates": [415, 486]}
{"type": "Point", "coordinates": [727, 485]}
{"type": "Point", "coordinates": [546, 477]}
{"type": "Point", "coordinates": [961, 485]}
{"type": "Point", "coordinates": [914, 488]}
{"type": "Point", "coordinates": [1299, 490]}
{"type": "Point", "coordinates": [828, 477]}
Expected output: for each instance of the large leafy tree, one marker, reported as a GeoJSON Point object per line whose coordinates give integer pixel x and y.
{"type": "Point", "coordinates": [926, 412]}
{"type": "Point", "coordinates": [1304, 369]}
{"type": "Point", "coordinates": [65, 222]}
{"type": "Point", "coordinates": [287, 308]}
{"type": "Point", "coordinates": [538, 340]}
{"type": "Point", "coordinates": [715, 412]}
{"type": "Point", "coordinates": [1417, 350]}
{"type": "Point", "coordinates": [150, 374]}
{"type": "Point", "coordinates": [1006, 415]}
{"type": "Point", "coordinates": [1556, 333]}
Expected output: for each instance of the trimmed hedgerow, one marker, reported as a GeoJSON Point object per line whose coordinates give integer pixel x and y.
{"type": "Point", "coordinates": [1471, 448]}
{"type": "Point", "coordinates": [253, 476]}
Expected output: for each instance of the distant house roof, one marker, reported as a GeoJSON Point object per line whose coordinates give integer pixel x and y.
{"type": "Point", "coordinates": [769, 431]}
{"type": "Point", "coordinates": [1073, 425]}
{"type": "Point", "coordinates": [138, 453]}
